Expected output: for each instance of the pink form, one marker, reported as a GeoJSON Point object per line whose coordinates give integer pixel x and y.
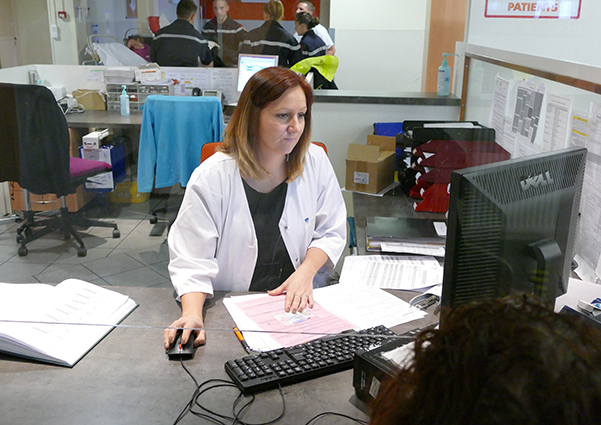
{"type": "Point", "coordinates": [269, 314]}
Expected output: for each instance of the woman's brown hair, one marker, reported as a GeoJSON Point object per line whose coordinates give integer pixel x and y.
{"type": "Point", "coordinates": [241, 139]}
{"type": "Point", "coordinates": [274, 9]}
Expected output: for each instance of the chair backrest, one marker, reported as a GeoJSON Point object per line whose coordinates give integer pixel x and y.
{"type": "Point", "coordinates": [35, 136]}
{"type": "Point", "coordinates": [174, 129]}
{"type": "Point", "coordinates": [209, 149]}
{"type": "Point", "coordinates": [321, 145]}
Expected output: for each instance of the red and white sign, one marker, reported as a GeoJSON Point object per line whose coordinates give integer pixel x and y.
{"type": "Point", "coordinates": [544, 9]}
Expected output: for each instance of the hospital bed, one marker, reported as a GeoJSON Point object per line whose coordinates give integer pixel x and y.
{"type": "Point", "coordinates": [110, 52]}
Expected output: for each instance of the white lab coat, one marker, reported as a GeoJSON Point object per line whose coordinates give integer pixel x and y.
{"type": "Point", "coordinates": [212, 244]}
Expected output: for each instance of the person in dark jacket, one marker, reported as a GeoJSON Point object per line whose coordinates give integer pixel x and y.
{"type": "Point", "coordinates": [227, 33]}
{"type": "Point", "coordinates": [272, 39]}
{"type": "Point", "coordinates": [311, 44]}
{"type": "Point", "coordinates": [180, 44]}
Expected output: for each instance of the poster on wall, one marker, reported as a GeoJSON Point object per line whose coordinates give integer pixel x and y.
{"type": "Point", "coordinates": [132, 9]}
{"type": "Point", "coordinates": [546, 9]}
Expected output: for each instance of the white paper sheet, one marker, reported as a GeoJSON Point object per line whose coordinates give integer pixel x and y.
{"type": "Point", "coordinates": [391, 272]}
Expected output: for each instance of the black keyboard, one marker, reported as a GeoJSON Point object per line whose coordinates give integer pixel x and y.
{"type": "Point", "coordinates": [312, 359]}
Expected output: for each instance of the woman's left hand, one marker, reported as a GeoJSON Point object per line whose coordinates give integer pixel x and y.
{"type": "Point", "coordinates": [299, 291]}
{"type": "Point", "coordinates": [299, 286]}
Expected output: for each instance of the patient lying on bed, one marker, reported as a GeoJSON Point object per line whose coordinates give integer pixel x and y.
{"type": "Point", "coordinates": [136, 44]}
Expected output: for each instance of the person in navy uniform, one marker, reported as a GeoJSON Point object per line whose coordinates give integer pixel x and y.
{"type": "Point", "coordinates": [311, 44]}
{"type": "Point", "coordinates": [180, 44]}
{"type": "Point", "coordinates": [320, 30]}
{"type": "Point", "coordinates": [227, 33]}
{"type": "Point", "coordinates": [272, 39]}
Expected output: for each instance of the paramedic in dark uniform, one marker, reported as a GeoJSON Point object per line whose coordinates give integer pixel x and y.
{"type": "Point", "coordinates": [272, 39]}
{"type": "Point", "coordinates": [227, 33]}
{"type": "Point", "coordinates": [311, 44]}
{"type": "Point", "coordinates": [180, 44]}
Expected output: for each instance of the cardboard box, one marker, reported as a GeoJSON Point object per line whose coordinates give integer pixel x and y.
{"type": "Point", "coordinates": [370, 168]}
{"type": "Point", "coordinates": [90, 99]}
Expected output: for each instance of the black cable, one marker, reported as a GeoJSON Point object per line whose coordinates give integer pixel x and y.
{"type": "Point", "coordinates": [315, 418]}
{"type": "Point", "coordinates": [215, 417]}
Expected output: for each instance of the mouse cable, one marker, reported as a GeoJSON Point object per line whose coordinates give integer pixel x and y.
{"type": "Point", "coordinates": [215, 417]}
{"type": "Point", "coordinates": [190, 404]}
{"type": "Point", "coordinates": [316, 418]}
{"type": "Point", "coordinates": [237, 414]}
{"type": "Point", "coordinates": [249, 403]}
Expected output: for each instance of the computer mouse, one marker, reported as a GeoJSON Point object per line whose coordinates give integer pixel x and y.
{"type": "Point", "coordinates": [177, 350]}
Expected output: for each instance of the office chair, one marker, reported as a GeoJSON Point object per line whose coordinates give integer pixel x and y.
{"type": "Point", "coordinates": [209, 149]}
{"type": "Point", "coordinates": [174, 129]}
{"type": "Point", "coordinates": [35, 146]}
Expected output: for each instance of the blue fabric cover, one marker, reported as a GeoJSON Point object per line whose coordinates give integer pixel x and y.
{"type": "Point", "coordinates": [174, 129]}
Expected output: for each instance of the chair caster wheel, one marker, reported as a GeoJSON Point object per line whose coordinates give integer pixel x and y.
{"type": "Point", "coordinates": [153, 220]}
{"type": "Point", "coordinates": [82, 251]}
{"type": "Point", "coordinates": [66, 236]}
{"type": "Point", "coordinates": [20, 238]}
{"type": "Point", "coordinates": [116, 234]}
{"type": "Point", "coordinates": [22, 251]}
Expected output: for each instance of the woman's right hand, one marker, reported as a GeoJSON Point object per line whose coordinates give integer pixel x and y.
{"type": "Point", "coordinates": [192, 304]}
{"type": "Point", "coordinates": [185, 322]}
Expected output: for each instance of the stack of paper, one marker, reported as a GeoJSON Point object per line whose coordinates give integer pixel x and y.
{"type": "Point", "coordinates": [406, 236]}
{"type": "Point", "coordinates": [392, 272]}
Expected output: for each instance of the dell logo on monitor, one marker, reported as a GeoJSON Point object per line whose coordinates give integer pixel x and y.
{"type": "Point", "coordinates": [537, 180]}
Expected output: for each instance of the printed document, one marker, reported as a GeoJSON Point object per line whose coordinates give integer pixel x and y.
{"type": "Point", "coordinates": [338, 308]}
{"type": "Point", "coordinates": [391, 272]}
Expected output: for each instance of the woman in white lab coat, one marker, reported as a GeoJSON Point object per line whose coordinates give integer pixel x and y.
{"type": "Point", "coordinates": [265, 214]}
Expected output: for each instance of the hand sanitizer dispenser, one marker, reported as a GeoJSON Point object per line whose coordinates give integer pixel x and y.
{"type": "Point", "coordinates": [124, 99]}
{"type": "Point", "coordinates": [444, 77]}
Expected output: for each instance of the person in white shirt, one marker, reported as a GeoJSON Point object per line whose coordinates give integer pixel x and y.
{"type": "Point", "coordinates": [266, 213]}
{"type": "Point", "coordinates": [320, 30]}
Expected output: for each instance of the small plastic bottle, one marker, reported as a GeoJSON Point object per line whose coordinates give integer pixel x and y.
{"type": "Point", "coordinates": [33, 75]}
{"type": "Point", "coordinates": [124, 99]}
{"type": "Point", "coordinates": [444, 77]}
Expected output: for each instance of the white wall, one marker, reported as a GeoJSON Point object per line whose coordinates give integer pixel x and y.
{"type": "Point", "coordinates": [574, 40]}
{"type": "Point", "coordinates": [72, 32]}
{"type": "Point", "coordinates": [380, 43]}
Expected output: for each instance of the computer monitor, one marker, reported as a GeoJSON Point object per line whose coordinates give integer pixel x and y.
{"type": "Point", "coordinates": [512, 227]}
{"type": "Point", "coordinates": [249, 64]}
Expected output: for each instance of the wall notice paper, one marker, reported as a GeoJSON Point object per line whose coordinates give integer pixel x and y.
{"type": "Point", "coordinates": [528, 106]}
{"type": "Point", "coordinates": [579, 133]}
{"type": "Point", "coordinates": [391, 272]}
{"type": "Point", "coordinates": [496, 119]}
{"type": "Point", "coordinates": [58, 324]}
{"type": "Point", "coordinates": [556, 122]}
{"type": "Point", "coordinates": [337, 308]}
{"type": "Point", "coordinates": [594, 140]}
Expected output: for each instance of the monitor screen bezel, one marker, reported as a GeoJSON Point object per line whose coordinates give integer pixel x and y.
{"type": "Point", "coordinates": [241, 56]}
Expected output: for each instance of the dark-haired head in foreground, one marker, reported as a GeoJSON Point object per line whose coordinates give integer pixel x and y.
{"type": "Point", "coordinates": [510, 361]}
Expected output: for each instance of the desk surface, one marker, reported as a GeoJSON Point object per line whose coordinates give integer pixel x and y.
{"type": "Point", "coordinates": [111, 119]}
{"type": "Point", "coordinates": [128, 379]}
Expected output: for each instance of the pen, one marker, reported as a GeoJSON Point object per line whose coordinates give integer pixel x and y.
{"type": "Point", "coordinates": [242, 340]}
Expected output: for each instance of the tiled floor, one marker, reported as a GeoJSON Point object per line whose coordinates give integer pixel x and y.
{"type": "Point", "coordinates": [135, 259]}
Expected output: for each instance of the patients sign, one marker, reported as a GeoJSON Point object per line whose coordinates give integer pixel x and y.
{"type": "Point", "coordinates": [547, 9]}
